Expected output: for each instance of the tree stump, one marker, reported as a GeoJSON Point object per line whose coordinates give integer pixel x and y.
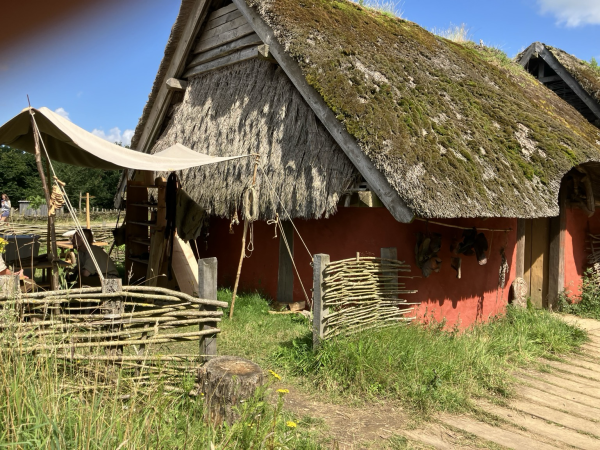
{"type": "Point", "coordinates": [226, 382]}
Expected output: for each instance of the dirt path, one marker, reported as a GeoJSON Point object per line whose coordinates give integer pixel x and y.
{"type": "Point", "coordinates": [559, 409]}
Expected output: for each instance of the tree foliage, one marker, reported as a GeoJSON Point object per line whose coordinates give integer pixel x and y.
{"type": "Point", "coordinates": [20, 180]}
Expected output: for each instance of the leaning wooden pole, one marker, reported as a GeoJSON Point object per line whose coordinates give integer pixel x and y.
{"type": "Point", "coordinates": [51, 242]}
{"type": "Point", "coordinates": [239, 271]}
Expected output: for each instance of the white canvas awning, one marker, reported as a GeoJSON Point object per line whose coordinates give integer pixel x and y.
{"type": "Point", "coordinates": [68, 143]}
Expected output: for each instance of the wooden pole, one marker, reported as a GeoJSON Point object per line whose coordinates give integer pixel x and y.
{"type": "Point", "coordinates": [239, 271]}
{"type": "Point", "coordinates": [87, 210]}
{"type": "Point", "coordinates": [52, 250]}
{"type": "Point", "coordinates": [207, 288]}
{"type": "Point", "coordinates": [80, 195]}
{"type": "Point", "coordinates": [320, 263]}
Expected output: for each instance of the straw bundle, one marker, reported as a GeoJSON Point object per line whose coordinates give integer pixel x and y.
{"type": "Point", "coordinates": [362, 293]}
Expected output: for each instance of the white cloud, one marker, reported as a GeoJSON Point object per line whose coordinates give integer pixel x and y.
{"type": "Point", "coordinates": [572, 13]}
{"type": "Point", "coordinates": [62, 113]}
{"type": "Point", "coordinates": [115, 135]}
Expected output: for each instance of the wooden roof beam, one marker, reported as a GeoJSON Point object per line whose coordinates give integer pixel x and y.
{"type": "Point", "coordinates": [348, 144]}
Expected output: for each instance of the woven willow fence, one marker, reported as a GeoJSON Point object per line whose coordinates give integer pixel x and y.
{"type": "Point", "coordinates": [88, 324]}
{"type": "Point", "coordinates": [357, 294]}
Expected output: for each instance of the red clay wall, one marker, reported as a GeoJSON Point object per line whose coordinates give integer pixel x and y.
{"type": "Point", "coordinates": [366, 230]}
{"type": "Point", "coordinates": [578, 227]}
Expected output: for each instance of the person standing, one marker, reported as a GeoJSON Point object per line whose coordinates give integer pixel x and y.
{"type": "Point", "coordinates": [5, 209]}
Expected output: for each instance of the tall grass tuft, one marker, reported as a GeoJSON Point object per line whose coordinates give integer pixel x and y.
{"type": "Point", "coordinates": [429, 368]}
{"type": "Point", "coordinates": [387, 7]}
{"type": "Point", "coordinates": [455, 33]}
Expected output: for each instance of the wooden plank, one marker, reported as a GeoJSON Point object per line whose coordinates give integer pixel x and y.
{"type": "Point", "coordinates": [575, 370]}
{"type": "Point", "coordinates": [510, 439]}
{"type": "Point", "coordinates": [556, 253]}
{"type": "Point", "coordinates": [539, 261]}
{"type": "Point", "coordinates": [390, 253]}
{"type": "Point", "coordinates": [543, 428]}
{"type": "Point", "coordinates": [551, 60]}
{"type": "Point", "coordinates": [173, 84]}
{"type": "Point", "coordinates": [580, 386]}
{"type": "Point", "coordinates": [551, 414]}
{"type": "Point", "coordinates": [549, 400]}
{"type": "Point", "coordinates": [176, 67]}
{"type": "Point", "coordinates": [222, 19]}
{"type": "Point", "coordinates": [239, 56]}
{"type": "Point", "coordinates": [285, 272]}
{"type": "Point", "coordinates": [224, 50]}
{"type": "Point", "coordinates": [348, 144]}
{"type": "Point", "coordinates": [223, 28]}
{"type": "Point", "coordinates": [221, 11]}
{"type": "Point", "coordinates": [560, 391]}
{"type": "Point", "coordinates": [550, 79]}
{"type": "Point", "coordinates": [185, 266]}
{"type": "Point", "coordinates": [520, 264]}
{"type": "Point", "coordinates": [224, 38]}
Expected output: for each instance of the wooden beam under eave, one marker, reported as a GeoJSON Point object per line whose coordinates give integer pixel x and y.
{"type": "Point", "coordinates": [556, 263]}
{"type": "Point", "coordinates": [174, 84]}
{"type": "Point", "coordinates": [234, 58]}
{"type": "Point", "coordinates": [378, 182]}
{"type": "Point", "coordinates": [555, 65]}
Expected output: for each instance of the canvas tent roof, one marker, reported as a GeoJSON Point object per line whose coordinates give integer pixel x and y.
{"type": "Point", "coordinates": [68, 143]}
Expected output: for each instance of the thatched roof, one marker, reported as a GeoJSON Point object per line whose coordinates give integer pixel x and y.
{"type": "Point", "coordinates": [587, 76]}
{"type": "Point", "coordinates": [252, 107]}
{"type": "Point", "coordinates": [457, 130]}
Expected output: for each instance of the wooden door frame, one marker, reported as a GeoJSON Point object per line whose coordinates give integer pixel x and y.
{"type": "Point", "coordinates": [556, 253]}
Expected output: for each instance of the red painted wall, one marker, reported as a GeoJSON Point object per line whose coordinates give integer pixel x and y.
{"type": "Point", "coordinates": [579, 225]}
{"type": "Point", "coordinates": [475, 296]}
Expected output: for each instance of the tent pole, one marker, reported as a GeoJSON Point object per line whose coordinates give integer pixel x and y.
{"type": "Point", "coordinates": [51, 241]}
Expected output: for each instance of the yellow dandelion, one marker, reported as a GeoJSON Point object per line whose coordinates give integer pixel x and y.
{"type": "Point", "coordinates": [275, 375]}
{"type": "Point", "coordinates": [291, 424]}
{"type": "Point", "coordinates": [283, 391]}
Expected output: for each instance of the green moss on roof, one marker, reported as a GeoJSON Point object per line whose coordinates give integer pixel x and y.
{"type": "Point", "coordinates": [458, 130]}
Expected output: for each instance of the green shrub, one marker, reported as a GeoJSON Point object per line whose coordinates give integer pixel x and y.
{"type": "Point", "coordinates": [587, 303]}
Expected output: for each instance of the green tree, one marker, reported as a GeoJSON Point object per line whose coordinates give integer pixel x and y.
{"type": "Point", "coordinates": [19, 179]}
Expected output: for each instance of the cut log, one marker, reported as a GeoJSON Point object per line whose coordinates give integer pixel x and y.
{"type": "Point", "coordinates": [226, 382]}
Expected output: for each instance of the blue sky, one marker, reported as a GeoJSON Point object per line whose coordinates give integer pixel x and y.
{"type": "Point", "coordinates": [99, 70]}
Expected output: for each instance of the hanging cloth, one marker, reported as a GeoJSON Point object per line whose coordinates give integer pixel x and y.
{"type": "Point", "coordinates": [189, 217]}
{"type": "Point", "coordinates": [171, 203]}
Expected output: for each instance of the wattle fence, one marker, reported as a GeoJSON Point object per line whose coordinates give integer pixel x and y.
{"type": "Point", "coordinates": [358, 294]}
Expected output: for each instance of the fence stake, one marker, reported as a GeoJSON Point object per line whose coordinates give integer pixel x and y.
{"type": "Point", "coordinates": [390, 253]}
{"type": "Point", "coordinates": [320, 263]}
{"type": "Point", "coordinates": [207, 289]}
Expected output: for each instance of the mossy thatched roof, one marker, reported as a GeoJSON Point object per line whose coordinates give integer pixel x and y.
{"type": "Point", "coordinates": [458, 130]}
{"type": "Point", "coordinates": [586, 75]}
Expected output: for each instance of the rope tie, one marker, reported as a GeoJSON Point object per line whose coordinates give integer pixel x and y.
{"type": "Point", "coordinates": [250, 205]}
{"type": "Point", "coordinates": [57, 199]}
{"type": "Point", "coordinates": [274, 222]}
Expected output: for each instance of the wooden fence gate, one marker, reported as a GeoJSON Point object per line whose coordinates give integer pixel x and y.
{"type": "Point", "coordinates": [360, 293]}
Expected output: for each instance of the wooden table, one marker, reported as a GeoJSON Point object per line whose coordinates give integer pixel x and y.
{"type": "Point", "coordinates": [44, 265]}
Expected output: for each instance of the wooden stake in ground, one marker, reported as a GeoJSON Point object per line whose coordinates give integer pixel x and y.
{"type": "Point", "coordinates": [87, 210]}
{"type": "Point", "coordinates": [52, 250]}
{"type": "Point", "coordinates": [239, 271]}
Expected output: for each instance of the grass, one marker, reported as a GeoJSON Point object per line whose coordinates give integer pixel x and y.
{"type": "Point", "coordinates": [47, 404]}
{"type": "Point", "coordinates": [455, 33]}
{"type": "Point", "coordinates": [587, 303]}
{"type": "Point", "coordinates": [428, 368]}
{"type": "Point", "coordinates": [389, 8]}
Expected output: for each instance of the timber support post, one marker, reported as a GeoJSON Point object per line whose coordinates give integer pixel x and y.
{"type": "Point", "coordinates": [207, 289]}
{"type": "Point", "coordinates": [556, 264]}
{"type": "Point", "coordinates": [320, 263]}
{"type": "Point", "coordinates": [113, 307]}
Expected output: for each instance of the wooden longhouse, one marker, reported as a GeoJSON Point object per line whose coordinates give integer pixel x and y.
{"type": "Point", "coordinates": [370, 130]}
